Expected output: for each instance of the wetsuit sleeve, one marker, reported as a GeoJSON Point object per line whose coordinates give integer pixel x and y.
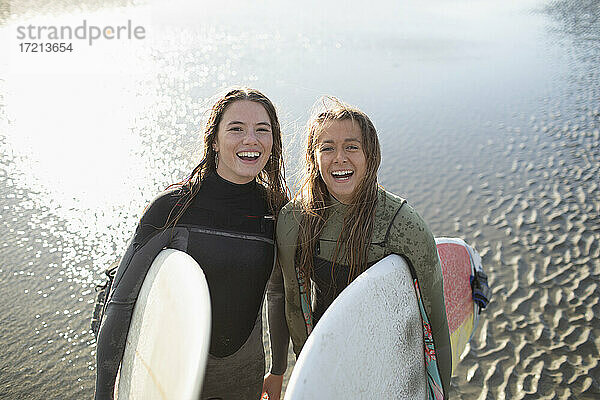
{"type": "Point", "coordinates": [279, 335]}
{"type": "Point", "coordinates": [410, 237]}
{"type": "Point", "coordinates": [145, 245]}
{"type": "Point", "coordinates": [287, 237]}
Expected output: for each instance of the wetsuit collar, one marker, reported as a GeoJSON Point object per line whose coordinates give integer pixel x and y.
{"type": "Point", "coordinates": [218, 185]}
{"type": "Point", "coordinates": [337, 207]}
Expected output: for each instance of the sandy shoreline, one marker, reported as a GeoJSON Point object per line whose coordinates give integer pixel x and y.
{"type": "Point", "coordinates": [505, 155]}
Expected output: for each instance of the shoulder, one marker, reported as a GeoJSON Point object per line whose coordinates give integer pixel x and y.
{"type": "Point", "coordinates": [170, 196]}
{"type": "Point", "coordinates": [400, 219]}
{"type": "Point", "coordinates": [408, 217]}
{"type": "Point", "coordinates": [390, 199]}
{"type": "Point", "coordinates": [409, 231]}
{"type": "Point", "coordinates": [388, 206]}
{"type": "Point", "coordinates": [393, 208]}
{"type": "Point", "coordinates": [388, 202]}
{"type": "Point", "coordinates": [288, 221]}
{"type": "Point", "coordinates": [292, 210]}
{"type": "Point", "coordinates": [164, 202]}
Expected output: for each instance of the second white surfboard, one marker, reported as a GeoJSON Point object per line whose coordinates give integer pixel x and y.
{"type": "Point", "coordinates": [369, 342]}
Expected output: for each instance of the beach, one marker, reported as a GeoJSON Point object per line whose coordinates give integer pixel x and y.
{"type": "Point", "coordinates": [488, 115]}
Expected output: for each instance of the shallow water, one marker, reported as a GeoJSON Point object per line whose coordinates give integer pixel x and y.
{"type": "Point", "coordinates": [488, 114]}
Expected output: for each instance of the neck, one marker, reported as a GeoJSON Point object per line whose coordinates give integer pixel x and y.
{"type": "Point", "coordinates": [336, 201]}
{"type": "Point", "coordinates": [218, 174]}
{"type": "Point", "coordinates": [219, 186]}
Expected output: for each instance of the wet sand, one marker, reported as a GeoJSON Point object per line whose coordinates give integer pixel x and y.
{"type": "Point", "coordinates": [495, 140]}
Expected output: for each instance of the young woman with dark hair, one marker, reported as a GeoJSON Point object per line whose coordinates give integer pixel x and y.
{"type": "Point", "coordinates": [222, 215]}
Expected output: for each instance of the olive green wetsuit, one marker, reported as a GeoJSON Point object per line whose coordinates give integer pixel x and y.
{"type": "Point", "coordinates": [398, 229]}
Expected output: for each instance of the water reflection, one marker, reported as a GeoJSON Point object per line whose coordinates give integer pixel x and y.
{"type": "Point", "coordinates": [488, 115]}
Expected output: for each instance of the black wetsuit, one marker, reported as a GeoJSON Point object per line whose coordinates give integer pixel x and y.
{"type": "Point", "coordinates": [228, 230]}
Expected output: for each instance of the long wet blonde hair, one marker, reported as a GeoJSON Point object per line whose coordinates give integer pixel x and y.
{"type": "Point", "coordinates": [315, 197]}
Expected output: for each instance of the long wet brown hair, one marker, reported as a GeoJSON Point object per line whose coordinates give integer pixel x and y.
{"type": "Point", "coordinates": [272, 176]}
{"type": "Point", "coordinates": [315, 197]}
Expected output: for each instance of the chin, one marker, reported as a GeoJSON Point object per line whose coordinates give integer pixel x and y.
{"type": "Point", "coordinates": [250, 174]}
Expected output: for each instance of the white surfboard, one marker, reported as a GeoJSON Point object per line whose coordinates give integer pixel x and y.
{"type": "Point", "coordinates": [169, 337]}
{"type": "Point", "coordinates": [369, 342]}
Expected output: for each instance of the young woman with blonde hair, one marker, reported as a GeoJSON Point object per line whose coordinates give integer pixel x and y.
{"type": "Point", "coordinates": [342, 222]}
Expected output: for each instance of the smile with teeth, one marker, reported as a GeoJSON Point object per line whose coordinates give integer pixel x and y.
{"type": "Point", "coordinates": [248, 155]}
{"type": "Point", "coordinates": [343, 174]}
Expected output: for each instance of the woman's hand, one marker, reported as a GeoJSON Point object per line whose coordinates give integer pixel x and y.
{"type": "Point", "coordinates": [272, 386]}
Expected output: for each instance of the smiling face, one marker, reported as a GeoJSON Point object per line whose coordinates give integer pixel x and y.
{"type": "Point", "coordinates": [244, 141]}
{"type": "Point", "coordinates": [341, 159]}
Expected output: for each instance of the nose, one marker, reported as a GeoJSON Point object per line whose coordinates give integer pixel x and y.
{"type": "Point", "coordinates": [250, 137]}
{"type": "Point", "coordinates": [340, 156]}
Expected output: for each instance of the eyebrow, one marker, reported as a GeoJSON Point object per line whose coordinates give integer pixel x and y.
{"type": "Point", "coordinates": [243, 123]}
{"type": "Point", "coordinates": [345, 140]}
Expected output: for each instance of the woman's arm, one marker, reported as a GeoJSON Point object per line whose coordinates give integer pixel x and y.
{"type": "Point", "coordinates": [279, 336]}
{"type": "Point", "coordinates": [146, 243]}
{"type": "Point", "coordinates": [287, 237]}
{"type": "Point", "coordinates": [410, 237]}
